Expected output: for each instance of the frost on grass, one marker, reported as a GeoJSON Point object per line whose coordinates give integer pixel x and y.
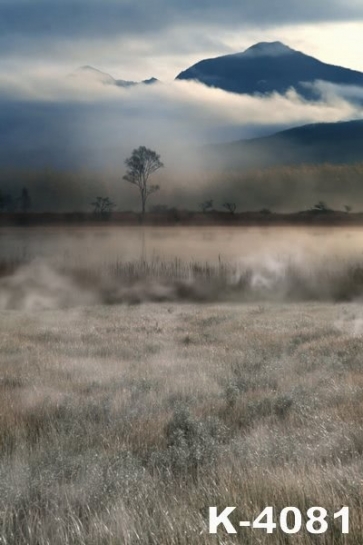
{"type": "Point", "coordinates": [113, 429]}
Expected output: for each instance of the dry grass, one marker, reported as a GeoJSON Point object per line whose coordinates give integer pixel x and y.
{"type": "Point", "coordinates": [122, 425]}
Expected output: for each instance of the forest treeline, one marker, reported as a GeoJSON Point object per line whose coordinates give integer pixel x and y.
{"type": "Point", "coordinates": [227, 195]}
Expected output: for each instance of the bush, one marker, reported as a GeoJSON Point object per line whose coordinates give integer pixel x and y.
{"type": "Point", "coordinates": [192, 443]}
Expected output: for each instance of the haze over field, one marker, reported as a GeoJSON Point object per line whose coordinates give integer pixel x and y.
{"type": "Point", "coordinates": [51, 268]}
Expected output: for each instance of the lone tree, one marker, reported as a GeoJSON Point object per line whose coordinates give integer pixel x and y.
{"type": "Point", "coordinates": [320, 207]}
{"type": "Point", "coordinates": [206, 205]}
{"type": "Point", "coordinates": [102, 207]}
{"type": "Point", "coordinates": [230, 206]}
{"type": "Point", "coordinates": [142, 163]}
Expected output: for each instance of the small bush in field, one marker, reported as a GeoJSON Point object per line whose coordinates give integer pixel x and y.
{"type": "Point", "coordinates": [192, 443]}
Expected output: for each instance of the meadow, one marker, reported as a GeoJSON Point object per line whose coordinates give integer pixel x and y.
{"type": "Point", "coordinates": [124, 418]}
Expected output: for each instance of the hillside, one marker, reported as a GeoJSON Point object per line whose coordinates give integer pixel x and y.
{"type": "Point", "coordinates": [336, 143]}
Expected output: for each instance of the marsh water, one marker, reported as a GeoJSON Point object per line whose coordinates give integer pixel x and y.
{"type": "Point", "coordinates": [107, 244]}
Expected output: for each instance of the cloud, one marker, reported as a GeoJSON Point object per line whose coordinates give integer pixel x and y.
{"type": "Point", "coordinates": [329, 91]}
{"type": "Point", "coordinates": [77, 121]}
{"type": "Point", "coordinates": [130, 33]}
{"type": "Point", "coordinates": [82, 126]}
{"type": "Point", "coordinates": [95, 18]}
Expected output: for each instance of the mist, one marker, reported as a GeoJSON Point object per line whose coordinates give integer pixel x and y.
{"type": "Point", "coordinates": [50, 269]}
{"type": "Point", "coordinates": [66, 136]}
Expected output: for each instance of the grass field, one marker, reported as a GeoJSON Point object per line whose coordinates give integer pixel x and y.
{"type": "Point", "coordinates": [123, 424]}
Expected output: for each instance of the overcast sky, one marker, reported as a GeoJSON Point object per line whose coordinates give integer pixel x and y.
{"type": "Point", "coordinates": [136, 39]}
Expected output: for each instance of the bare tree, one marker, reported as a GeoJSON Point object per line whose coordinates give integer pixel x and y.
{"type": "Point", "coordinates": [102, 207]}
{"type": "Point", "coordinates": [140, 166]}
{"type": "Point", "coordinates": [230, 206]}
{"type": "Point", "coordinates": [206, 205]}
{"type": "Point", "coordinates": [320, 207]}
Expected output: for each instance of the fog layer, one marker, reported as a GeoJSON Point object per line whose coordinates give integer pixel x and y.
{"type": "Point", "coordinates": [133, 266]}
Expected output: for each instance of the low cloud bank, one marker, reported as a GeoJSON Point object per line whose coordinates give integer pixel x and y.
{"type": "Point", "coordinates": [53, 122]}
{"type": "Point", "coordinates": [79, 121]}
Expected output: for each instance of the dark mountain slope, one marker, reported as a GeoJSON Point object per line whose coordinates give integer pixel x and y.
{"type": "Point", "coordinates": [310, 144]}
{"type": "Point", "coordinates": [266, 68]}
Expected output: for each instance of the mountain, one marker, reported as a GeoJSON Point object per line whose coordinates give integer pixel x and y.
{"type": "Point", "coordinates": [269, 67]}
{"type": "Point", "coordinates": [336, 143]}
{"type": "Point", "coordinates": [97, 75]}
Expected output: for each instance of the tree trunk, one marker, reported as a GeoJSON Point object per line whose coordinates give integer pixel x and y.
{"type": "Point", "coordinates": [143, 206]}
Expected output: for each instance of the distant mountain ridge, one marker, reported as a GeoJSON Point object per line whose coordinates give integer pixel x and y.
{"type": "Point", "coordinates": [317, 143]}
{"type": "Point", "coordinates": [107, 79]}
{"type": "Point", "coordinates": [269, 67]}
{"type": "Point", "coordinates": [263, 68]}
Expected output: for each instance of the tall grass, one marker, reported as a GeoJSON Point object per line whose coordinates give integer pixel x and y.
{"type": "Point", "coordinates": [123, 425]}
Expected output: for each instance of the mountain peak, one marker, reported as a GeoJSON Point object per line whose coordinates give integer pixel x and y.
{"type": "Point", "coordinates": [87, 67]}
{"type": "Point", "coordinates": [272, 49]}
{"type": "Point", "coordinates": [270, 67]}
{"type": "Point", "coordinates": [95, 74]}
{"type": "Point", "coordinates": [91, 70]}
{"type": "Point", "coordinates": [150, 81]}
